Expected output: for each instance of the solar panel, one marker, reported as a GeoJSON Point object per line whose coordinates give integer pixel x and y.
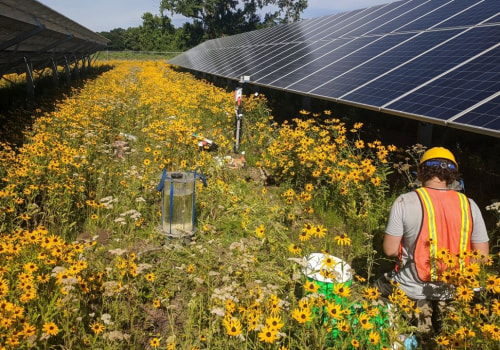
{"type": "Point", "coordinates": [457, 90]}
{"type": "Point", "coordinates": [446, 54]}
{"type": "Point", "coordinates": [485, 115]}
{"type": "Point", "coordinates": [431, 60]}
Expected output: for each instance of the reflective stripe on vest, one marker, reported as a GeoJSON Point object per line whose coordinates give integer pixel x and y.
{"type": "Point", "coordinates": [446, 224]}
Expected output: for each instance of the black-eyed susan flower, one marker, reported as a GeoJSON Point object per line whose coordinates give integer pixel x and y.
{"type": "Point", "coordinates": [311, 286]}
{"type": "Point", "coordinates": [371, 293]}
{"type": "Point", "coordinates": [50, 328]}
{"type": "Point", "coordinates": [364, 321]}
{"type": "Point", "coordinates": [343, 326]}
{"type": "Point", "coordinates": [302, 315]}
{"type": "Point", "coordinates": [442, 340]}
{"type": "Point", "coordinates": [97, 327]}
{"type": "Point", "coordinates": [268, 335]}
{"type": "Point", "coordinates": [233, 326]}
{"type": "Point", "coordinates": [342, 239]}
{"type": "Point", "coordinates": [319, 231]}
{"type": "Point", "coordinates": [154, 343]}
{"type": "Point", "coordinates": [464, 294]}
{"type": "Point", "coordinates": [294, 249]}
{"type": "Point", "coordinates": [150, 277]}
{"type": "Point", "coordinates": [374, 338]}
{"type": "Point", "coordinates": [274, 322]}
{"type": "Point", "coordinates": [342, 290]}
{"type": "Point", "coordinates": [334, 310]}
{"type": "Point", "coordinates": [260, 231]}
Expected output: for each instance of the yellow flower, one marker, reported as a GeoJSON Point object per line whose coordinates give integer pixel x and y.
{"type": "Point", "coordinates": [304, 236]}
{"type": "Point", "coordinates": [464, 294]}
{"type": "Point", "coordinates": [319, 231]}
{"type": "Point", "coordinates": [442, 340]}
{"type": "Point", "coordinates": [343, 239]}
{"type": "Point", "coordinates": [464, 333]}
{"type": "Point", "coordinates": [50, 328]}
{"type": "Point", "coordinates": [274, 323]}
{"type": "Point", "coordinates": [364, 321]}
{"type": "Point", "coordinates": [260, 231]}
{"type": "Point", "coordinates": [374, 338]}
{"type": "Point", "coordinates": [268, 335]}
{"type": "Point", "coordinates": [342, 290]}
{"type": "Point", "coordinates": [97, 327]}
{"type": "Point", "coordinates": [334, 310]}
{"type": "Point", "coordinates": [150, 277]}
{"type": "Point", "coordinates": [294, 249]}
{"type": "Point", "coordinates": [371, 293]}
{"type": "Point", "coordinates": [328, 262]}
{"type": "Point", "coordinates": [302, 315]}
{"type": "Point", "coordinates": [154, 343]}
{"type": "Point", "coordinates": [311, 287]}
{"type": "Point", "coordinates": [355, 343]}
{"type": "Point", "coordinates": [343, 326]}
{"type": "Point", "coordinates": [233, 326]}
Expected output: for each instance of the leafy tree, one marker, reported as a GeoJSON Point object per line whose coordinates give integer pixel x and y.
{"type": "Point", "coordinates": [156, 33]}
{"type": "Point", "coordinates": [116, 36]}
{"type": "Point", "coordinates": [227, 17]}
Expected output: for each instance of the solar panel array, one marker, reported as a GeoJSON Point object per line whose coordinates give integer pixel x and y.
{"type": "Point", "coordinates": [436, 61]}
{"type": "Point", "coordinates": [32, 32]}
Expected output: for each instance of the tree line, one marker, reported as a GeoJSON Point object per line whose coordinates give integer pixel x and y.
{"type": "Point", "coordinates": [208, 19]}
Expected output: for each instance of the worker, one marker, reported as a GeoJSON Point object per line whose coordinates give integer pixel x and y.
{"type": "Point", "coordinates": [426, 222]}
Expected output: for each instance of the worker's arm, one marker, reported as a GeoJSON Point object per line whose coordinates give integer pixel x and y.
{"type": "Point", "coordinates": [391, 245]}
{"type": "Point", "coordinates": [483, 247]}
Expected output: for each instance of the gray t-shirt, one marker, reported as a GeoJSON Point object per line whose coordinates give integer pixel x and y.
{"type": "Point", "coordinates": [405, 220]}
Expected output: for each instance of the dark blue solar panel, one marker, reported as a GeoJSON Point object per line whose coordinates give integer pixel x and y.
{"type": "Point", "coordinates": [426, 67]}
{"type": "Point", "coordinates": [494, 19]}
{"type": "Point", "coordinates": [327, 26]}
{"type": "Point", "coordinates": [476, 14]}
{"type": "Point", "coordinates": [424, 16]}
{"type": "Point", "coordinates": [485, 116]}
{"type": "Point", "coordinates": [375, 67]}
{"type": "Point", "coordinates": [387, 15]}
{"type": "Point", "coordinates": [457, 90]}
{"type": "Point", "coordinates": [256, 55]}
{"type": "Point", "coordinates": [330, 67]}
{"type": "Point", "coordinates": [280, 67]}
{"type": "Point", "coordinates": [358, 18]}
{"type": "Point", "coordinates": [327, 65]}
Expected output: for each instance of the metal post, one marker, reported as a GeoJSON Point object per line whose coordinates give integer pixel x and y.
{"type": "Point", "coordinates": [67, 70]}
{"type": "Point", "coordinates": [30, 82]}
{"type": "Point", "coordinates": [76, 68]}
{"type": "Point", "coordinates": [238, 93]}
{"type": "Point", "coordinates": [55, 73]}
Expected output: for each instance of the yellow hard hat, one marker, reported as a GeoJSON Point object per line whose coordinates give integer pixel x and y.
{"type": "Point", "coordinates": [438, 152]}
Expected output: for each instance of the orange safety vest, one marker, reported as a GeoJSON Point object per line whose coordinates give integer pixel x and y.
{"type": "Point", "coordinates": [446, 224]}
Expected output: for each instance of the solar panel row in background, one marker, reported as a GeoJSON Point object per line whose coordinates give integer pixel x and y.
{"type": "Point", "coordinates": [431, 60]}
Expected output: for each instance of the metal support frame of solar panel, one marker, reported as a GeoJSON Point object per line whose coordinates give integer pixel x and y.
{"type": "Point", "coordinates": [404, 58]}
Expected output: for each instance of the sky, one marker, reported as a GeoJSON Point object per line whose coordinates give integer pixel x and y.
{"type": "Point", "coordinates": [104, 15]}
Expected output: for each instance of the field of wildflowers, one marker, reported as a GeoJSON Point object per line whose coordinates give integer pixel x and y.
{"type": "Point", "coordinates": [84, 265]}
